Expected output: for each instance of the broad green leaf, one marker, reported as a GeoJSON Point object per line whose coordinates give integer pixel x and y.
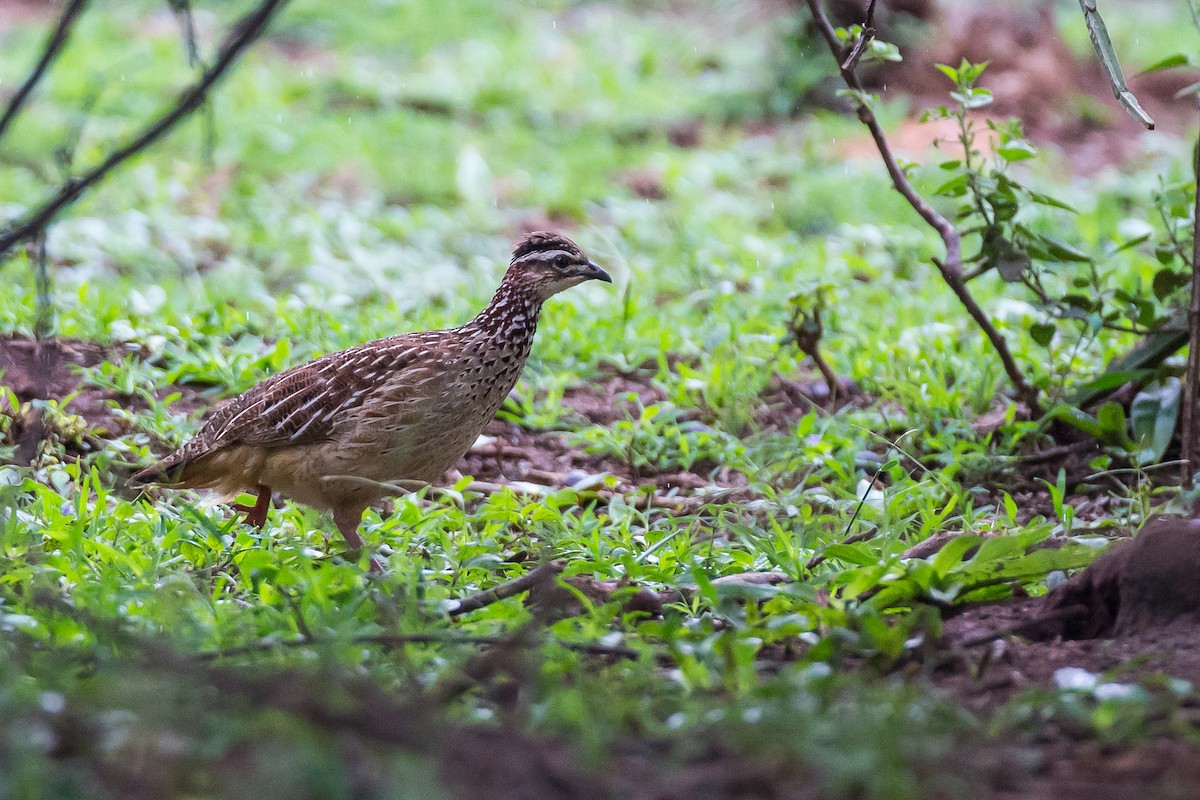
{"type": "Point", "coordinates": [852, 554]}
{"type": "Point", "coordinates": [1111, 417]}
{"type": "Point", "coordinates": [1154, 414]}
{"type": "Point", "coordinates": [951, 555]}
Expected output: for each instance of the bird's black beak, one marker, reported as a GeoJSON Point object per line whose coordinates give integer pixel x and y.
{"type": "Point", "coordinates": [595, 273]}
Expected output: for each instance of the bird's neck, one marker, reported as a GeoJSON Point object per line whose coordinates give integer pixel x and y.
{"type": "Point", "coordinates": [512, 314]}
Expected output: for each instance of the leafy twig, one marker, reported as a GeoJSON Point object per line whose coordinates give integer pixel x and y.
{"type": "Point", "coordinates": [864, 39]}
{"type": "Point", "coordinates": [951, 267]}
{"type": "Point", "coordinates": [245, 32]}
{"type": "Point", "coordinates": [50, 51]}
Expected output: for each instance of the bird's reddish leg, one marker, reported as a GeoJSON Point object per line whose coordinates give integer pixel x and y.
{"type": "Point", "coordinates": [347, 521]}
{"type": "Point", "coordinates": [256, 514]}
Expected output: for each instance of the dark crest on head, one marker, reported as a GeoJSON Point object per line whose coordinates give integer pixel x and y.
{"type": "Point", "coordinates": [542, 241]}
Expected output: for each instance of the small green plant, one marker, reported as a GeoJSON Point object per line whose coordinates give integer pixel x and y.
{"type": "Point", "coordinates": [660, 439]}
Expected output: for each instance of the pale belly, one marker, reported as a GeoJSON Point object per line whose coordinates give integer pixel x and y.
{"type": "Point", "coordinates": [328, 476]}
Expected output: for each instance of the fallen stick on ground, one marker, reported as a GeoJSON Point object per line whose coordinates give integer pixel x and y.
{"type": "Point", "coordinates": [544, 573]}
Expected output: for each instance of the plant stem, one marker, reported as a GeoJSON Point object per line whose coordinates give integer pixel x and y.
{"type": "Point", "coordinates": [950, 267]}
{"type": "Point", "coordinates": [1193, 361]}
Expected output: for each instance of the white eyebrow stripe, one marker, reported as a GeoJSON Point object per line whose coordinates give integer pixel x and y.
{"type": "Point", "coordinates": [548, 255]}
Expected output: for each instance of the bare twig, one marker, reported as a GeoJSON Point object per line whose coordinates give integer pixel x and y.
{"type": "Point", "coordinates": [951, 267]}
{"type": "Point", "coordinates": [546, 572]}
{"type": "Point", "coordinates": [860, 45]}
{"type": "Point", "coordinates": [245, 32]}
{"type": "Point", "coordinates": [50, 51]}
{"type": "Point", "coordinates": [1193, 361]}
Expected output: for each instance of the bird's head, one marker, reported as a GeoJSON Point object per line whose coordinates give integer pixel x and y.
{"type": "Point", "coordinates": [550, 263]}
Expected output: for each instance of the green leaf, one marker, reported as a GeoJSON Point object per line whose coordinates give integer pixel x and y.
{"type": "Point", "coordinates": [1112, 380]}
{"type": "Point", "coordinates": [1047, 200]}
{"type": "Point", "coordinates": [1167, 281]}
{"type": "Point", "coordinates": [952, 553]}
{"type": "Point", "coordinates": [998, 548]}
{"type": "Point", "coordinates": [1016, 151]}
{"type": "Point", "coordinates": [1173, 60]}
{"type": "Point", "coordinates": [955, 187]}
{"type": "Point", "coordinates": [1111, 417]}
{"type": "Point", "coordinates": [1077, 418]}
{"type": "Point", "coordinates": [851, 554]}
{"type": "Point", "coordinates": [949, 71]}
{"type": "Point", "coordinates": [1042, 333]}
{"type": "Point", "coordinates": [1058, 250]}
{"type": "Point", "coordinates": [1154, 414]}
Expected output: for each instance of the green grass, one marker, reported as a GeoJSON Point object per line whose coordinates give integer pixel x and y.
{"type": "Point", "coordinates": [370, 183]}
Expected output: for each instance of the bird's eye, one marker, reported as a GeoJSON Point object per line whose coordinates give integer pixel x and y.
{"type": "Point", "coordinates": [562, 261]}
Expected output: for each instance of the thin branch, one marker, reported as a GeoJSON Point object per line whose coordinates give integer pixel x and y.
{"type": "Point", "coordinates": [546, 572]}
{"type": "Point", "coordinates": [951, 267]}
{"type": "Point", "coordinates": [1193, 361]}
{"type": "Point", "coordinates": [864, 39]}
{"type": "Point", "coordinates": [50, 51]}
{"type": "Point", "coordinates": [245, 32]}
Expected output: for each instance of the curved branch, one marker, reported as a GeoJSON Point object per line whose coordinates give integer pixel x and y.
{"type": "Point", "coordinates": [951, 267]}
{"type": "Point", "coordinates": [245, 32]}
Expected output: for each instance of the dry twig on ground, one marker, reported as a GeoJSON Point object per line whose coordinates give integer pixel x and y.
{"type": "Point", "coordinates": [546, 572]}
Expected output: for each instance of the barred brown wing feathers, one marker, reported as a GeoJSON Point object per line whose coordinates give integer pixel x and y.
{"type": "Point", "coordinates": [302, 405]}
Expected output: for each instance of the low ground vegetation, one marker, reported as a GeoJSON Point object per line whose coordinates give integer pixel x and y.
{"type": "Point", "coordinates": [748, 580]}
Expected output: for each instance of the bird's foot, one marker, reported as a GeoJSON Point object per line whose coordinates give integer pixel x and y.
{"type": "Point", "coordinates": [256, 514]}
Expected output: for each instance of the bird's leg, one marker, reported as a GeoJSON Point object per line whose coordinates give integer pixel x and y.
{"type": "Point", "coordinates": [256, 514]}
{"type": "Point", "coordinates": [347, 521]}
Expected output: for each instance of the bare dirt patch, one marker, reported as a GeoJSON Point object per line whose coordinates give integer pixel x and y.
{"type": "Point", "coordinates": [612, 399]}
{"type": "Point", "coordinates": [550, 459]}
{"type": "Point", "coordinates": [50, 369]}
{"type": "Point", "coordinates": [786, 400]}
{"type": "Point", "coordinates": [1135, 610]}
{"type": "Point", "coordinates": [1134, 613]}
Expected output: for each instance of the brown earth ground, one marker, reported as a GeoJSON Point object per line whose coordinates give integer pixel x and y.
{"type": "Point", "coordinates": [993, 651]}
